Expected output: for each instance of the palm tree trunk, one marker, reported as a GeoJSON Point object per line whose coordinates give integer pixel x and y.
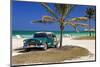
{"type": "Point", "coordinates": [61, 34]}
{"type": "Point", "coordinates": [89, 30]}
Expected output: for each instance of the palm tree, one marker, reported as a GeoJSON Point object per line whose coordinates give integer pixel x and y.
{"type": "Point", "coordinates": [59, 14]}
{"type": "Point", "coordinates": [90, 14]}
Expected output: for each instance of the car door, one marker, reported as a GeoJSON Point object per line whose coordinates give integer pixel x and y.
{"type": "Point", "coordinates": [50, 40]}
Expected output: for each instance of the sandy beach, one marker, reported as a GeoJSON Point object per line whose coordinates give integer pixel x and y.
{"type": "Point", "coordinates": [67, 41]}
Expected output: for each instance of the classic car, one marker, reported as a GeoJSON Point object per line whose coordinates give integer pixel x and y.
{"type": "Point", "coordinates": [41, 40]}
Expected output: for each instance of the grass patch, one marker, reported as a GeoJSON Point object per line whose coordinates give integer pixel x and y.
{"type": "Point", "coordinates": [85, 38]}
{"type": "Point", "coordinates": [51, 55]}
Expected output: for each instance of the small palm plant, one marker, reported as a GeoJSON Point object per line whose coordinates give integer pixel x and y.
{"type": "Point", "coordinates": [90, 14]}
{"type": "Point", "coordinates": [59, 14]}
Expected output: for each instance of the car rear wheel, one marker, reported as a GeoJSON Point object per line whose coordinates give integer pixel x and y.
{"type": "Point", "coordinates": [55, 46]}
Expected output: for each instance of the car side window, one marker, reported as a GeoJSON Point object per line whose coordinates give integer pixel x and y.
{"type": "Point", "coordinates": [49, 35]}
{"type": "Point", "coordinates": [53, 35]}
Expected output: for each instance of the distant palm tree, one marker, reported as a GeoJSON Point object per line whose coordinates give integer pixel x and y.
{"type": "Point", "coordinates": [58, 14]}
{"type": "Point", "coordinates": [90, 14]}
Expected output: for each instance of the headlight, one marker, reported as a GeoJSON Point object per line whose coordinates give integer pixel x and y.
{"type": "Point", "coordinates": [24, 41]}
{"type": "Point", "coordinates": [40, 41]}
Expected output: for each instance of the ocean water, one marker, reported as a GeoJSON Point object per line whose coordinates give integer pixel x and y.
{"type": "Point", "coordinates": [29, 34]}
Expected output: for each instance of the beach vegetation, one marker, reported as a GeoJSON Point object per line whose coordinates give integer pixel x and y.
{"type": "Point", "coordinates": [85, 38]}
{"type": "Point", "coordinates": [90, 14]}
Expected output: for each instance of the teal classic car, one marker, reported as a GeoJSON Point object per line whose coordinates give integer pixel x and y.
{"type": "Point", "coordinates": [41, 40]}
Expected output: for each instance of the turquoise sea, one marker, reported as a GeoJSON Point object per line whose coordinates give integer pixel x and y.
{"type": "Point", "coordinates": [29, 34]}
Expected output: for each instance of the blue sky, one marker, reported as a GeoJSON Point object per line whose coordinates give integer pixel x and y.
{"type": "Point", "coordinates": [24, 12]}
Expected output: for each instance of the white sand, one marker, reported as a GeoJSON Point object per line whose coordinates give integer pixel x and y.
{"type": "Point", "coordinates": [16, 43]}
{"type": "Point", "coordinates": [88, 44]}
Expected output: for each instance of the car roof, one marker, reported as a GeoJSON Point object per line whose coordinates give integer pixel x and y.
{"type": "Point", "coordinates": [45, 32]}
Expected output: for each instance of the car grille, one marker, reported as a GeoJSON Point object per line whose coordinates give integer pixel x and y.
{"type": "Point", "coordinates": [32, 43]}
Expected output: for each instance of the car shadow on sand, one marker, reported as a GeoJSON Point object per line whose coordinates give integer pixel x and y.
{"type": "Point", "coordinates": [21, 50]}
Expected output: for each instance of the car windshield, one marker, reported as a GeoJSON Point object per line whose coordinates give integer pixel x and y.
{"type": "Point", "coordinates": [40, 35]}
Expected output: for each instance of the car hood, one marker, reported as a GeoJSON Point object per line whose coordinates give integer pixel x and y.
{"type": "Point", "coordinates": [36, 40]}
{"type": "Point", "coordinates": [40, 39]}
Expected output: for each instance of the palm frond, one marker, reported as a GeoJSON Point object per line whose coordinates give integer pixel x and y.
{"type": "Point", "coordinates": [48, 19]}
{"type": "Point", "coordinates": [75, 21]}
{"type": "Point", "coordinates": [50, 10]}
{"type": "Point", "coordinates": [37, 21]}
{"type": "Point", "coordinates": [76, 29]}
{"type": "Point", "coordinates": [78, 19]}
{"type": "Point", "coordinates": [83, 25]}
{"type": "Point", "coordinates": [75, 26]}
{"type": "Point", "coordinates": [90, 12]}
{"type": "Point", "coordinates": [45, 19]}
{"type": "Point", "coordinates": [63, 9]}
